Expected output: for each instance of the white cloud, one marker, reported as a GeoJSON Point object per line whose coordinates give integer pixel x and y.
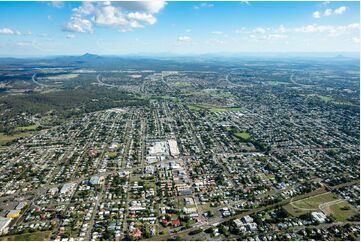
{"type": "Point", "coordinates": [329, 29]}
{"type": "Point", "coordinates": [77, 24]}
{"type": "Point", "coordinates": [70, 36]}
{"type": "Point", "coordinates": [340, 10]}
{"type": "Point", "coordinates": [259, 30]}
{"type": "Point", "coordinates": [150, 6]}
{"type": "Point", "coordinates": [207, 5]}
{"type": "Point", "coordinates": [184, 39]}
{"type": "Point", "coordinates": [123, 16]}
{"type": "Point", "coordinates": [57, 4]}
{"type": "Point", "coordinates": [143, 17]}
{"type": "Point", "coordinates": [281, 29]}
{"type": "Point", "coordinates": [245, 2]}
{"type": "Point", "coordinates": [203, 5]}
{"type": "Point", "coordinates": [217, 32]}
{"type": "Point", "coordinates": [356, 40]}
{"type": "Point", "coordinates": [32, 44]}
{"type": "Point", "coordinates": [215, 41]}
{"type": "Point", "coordinates": [316, 14]}
{"type": "Point", "coordinates": [24, 43]}
{"type": "Point", "coordinates": [8, 31]}
{"type": "Point", "coordinates": [277, 36]}
{"type": "Point", "coordinates": [108, 15]}
{"type": "Point", "coordinates": [86, 8]}
{"type": "Point", "coordinates": [325, 3]}
{"type": "Point", "coordinates": [240, 31]}
{"type": "Point", "coordinates": [328, 12]}
{"type": "Point", "coordinates": [188, 30]}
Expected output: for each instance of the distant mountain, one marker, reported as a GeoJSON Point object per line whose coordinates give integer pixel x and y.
{"type": "Point", "coordinates": [90, 56]}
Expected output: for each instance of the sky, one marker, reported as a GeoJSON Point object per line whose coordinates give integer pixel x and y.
{"type": "Point", "coordinates": [155, 27]}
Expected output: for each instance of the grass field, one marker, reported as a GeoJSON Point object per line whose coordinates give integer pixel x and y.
{"type": "Point", "coordinates": [112, 154]}
{"type": "Point", "coordinates": [4, 139]}
{"type": "Point", "coordinates": [198, 107]}
{"type": "Point", "coordinates": [243, 135]}
{"type": "Point", "coordinates": [26, 128]}
{"type": "Point", "coordinates": [342, 211]}
{"type": "Point", "coordinates": [308, 205]}
{"type": "Point", "coordinates": [182, 84]}
{"type": "Point", "coordinates": [36, 236]}
{"type": "Point", "coordinates": [325, 98]}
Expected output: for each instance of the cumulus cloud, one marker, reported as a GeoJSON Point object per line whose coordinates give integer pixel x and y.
{"type": "Point", "coordinates": [77, 24]}
{"type": "Point", "coordinates": [123, 16]}
{"type": "Point", "coordinates": [316, 14]}
{"type": "Point", "coordinates": [150, 6]}
{"type": "Point", "coordinates": [184, 39]}
{"type": "Point", "coordinates": [86, 8]}
{"type": "Point", "coordinates": [108, 15]}
{"type": "Point", "coordinates": [8, 31]}
{"type": "Point", "coordinates": [328, 12]}
{"type": "Point", "coordinates": [340, 10]}
{"type": "Point", "coordinates": [259, 30]}
{"type": "Point", "coordinates": [143, 17]}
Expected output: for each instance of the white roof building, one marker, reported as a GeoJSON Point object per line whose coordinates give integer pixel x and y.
{"type": "Point", "coordinates": [173, 147]}
{"type": "Point", "coordinates": [67, 187]}
{"type": "Point", "coordinates": [4, 225]}
{"type": "Point", "coordinates": [319, 217]}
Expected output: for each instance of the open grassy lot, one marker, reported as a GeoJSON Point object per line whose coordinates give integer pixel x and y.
{"type": "Point", "coordinates": [198, 107]}
{"type": "Point", "coordinates": [112, 154]}
{"type": "Point", "coordinates": [26, 128]}
{"type": "Point", "coordinates": [243, 135]}
{"type": "Point", "coordinates": [36, 236]}
{"type": "Point", "coordinates": [309, 205]}
{"type": "Point", "coordinates": [341, 211]}
{"type": "Point", "coordinates": [182, 84]}
{"type": "Point", "coordinates": [325, 98]}
{"type": "Point", "coordinates": [4, 139]}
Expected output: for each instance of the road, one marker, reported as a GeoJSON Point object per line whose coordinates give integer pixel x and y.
{"type": "Point", "coordinates": [33, 78]}
{"type": "Point", "coordinates": [102, 83]}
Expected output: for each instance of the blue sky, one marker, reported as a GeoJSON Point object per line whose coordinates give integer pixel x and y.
{"type": "Point", "coordinates": [116, 28]}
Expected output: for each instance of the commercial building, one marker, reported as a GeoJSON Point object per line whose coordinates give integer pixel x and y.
{"type": "Point", "coordinates": [173, 148]}
{"type": "Point", "coordinates": [4, 225]}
